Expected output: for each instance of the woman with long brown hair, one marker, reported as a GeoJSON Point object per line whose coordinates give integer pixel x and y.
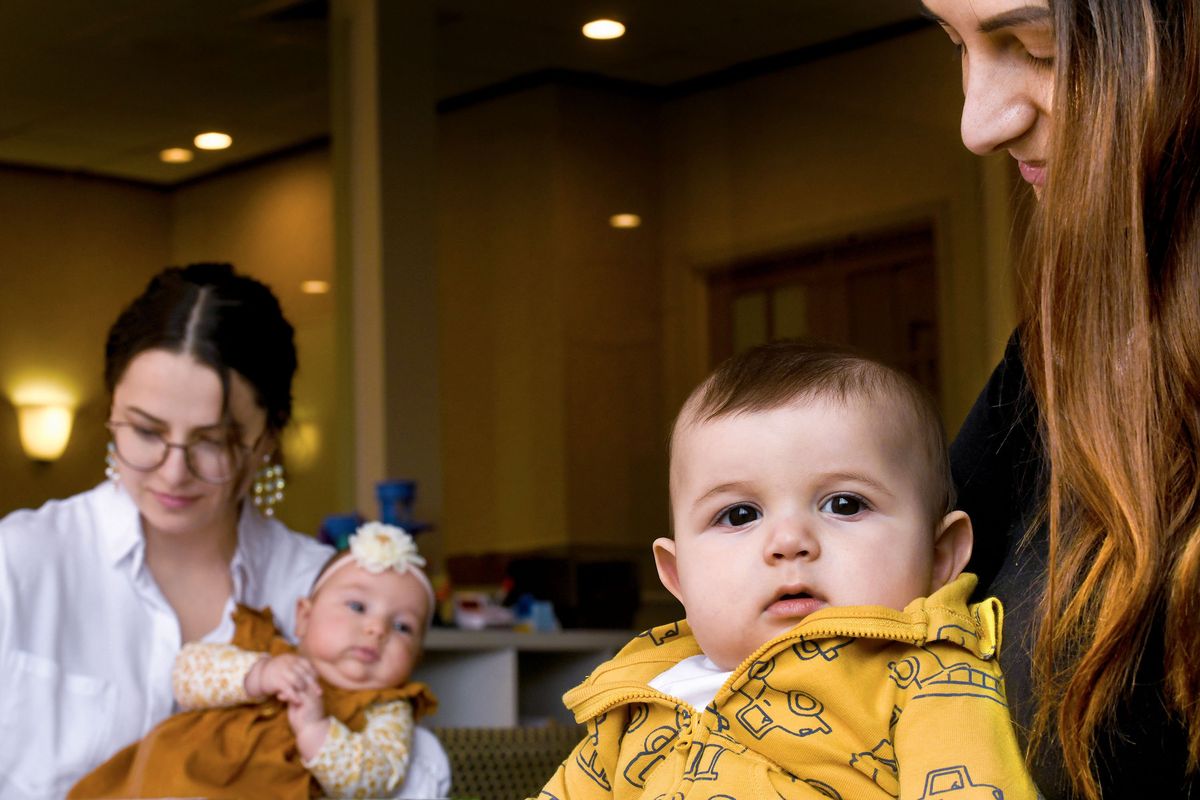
{"type": "Point", "coordinates": [1080, 463]}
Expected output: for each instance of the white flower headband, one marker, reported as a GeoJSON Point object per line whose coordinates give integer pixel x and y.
{"type": "Point", "coordinates": [376, 547]}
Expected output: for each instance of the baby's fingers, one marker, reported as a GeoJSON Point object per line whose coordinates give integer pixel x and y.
{"type": "Point", "coordinates": [311, 692]}
{"type": "Point", "coordinates": [299, 677]}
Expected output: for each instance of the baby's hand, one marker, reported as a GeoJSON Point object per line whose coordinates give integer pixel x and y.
{"type": "Point", "coordinates": [287, 677]}
{"type": "Point", "coordinates": [306, 715]}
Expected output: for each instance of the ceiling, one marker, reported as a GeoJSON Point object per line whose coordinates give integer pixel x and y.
{"type": "Point", "coordinates": [102, 87]}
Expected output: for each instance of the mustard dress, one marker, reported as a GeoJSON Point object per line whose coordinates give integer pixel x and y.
{"type": "Point", "coordinates": [246, 750]}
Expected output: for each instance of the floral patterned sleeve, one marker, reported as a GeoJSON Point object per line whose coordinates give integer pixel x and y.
{"type": "Point", "coordinates": [208, 675]}
{"type": "Point", "coordinates": [371, 763]}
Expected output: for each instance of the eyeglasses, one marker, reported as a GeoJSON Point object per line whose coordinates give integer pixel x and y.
{"type": "Point", "coordinates": [212, 460]}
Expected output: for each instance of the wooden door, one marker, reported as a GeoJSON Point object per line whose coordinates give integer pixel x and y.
{"type": "Point", "coordinates": [877, 293]}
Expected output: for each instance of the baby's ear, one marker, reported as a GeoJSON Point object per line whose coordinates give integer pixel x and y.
{"type": "Point", "coordinates": [664, 559]}
{"type": "Point", "coordinates": [303, 609]}
{"type": "Point", "coordinates": [951, 548]}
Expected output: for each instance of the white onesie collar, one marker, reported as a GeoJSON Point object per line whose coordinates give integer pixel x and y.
{"type": "Point", "coordinates": [694, 680]}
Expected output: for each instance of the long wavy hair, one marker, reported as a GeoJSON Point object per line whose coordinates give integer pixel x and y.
{"type": "Point", "coordinates": [1112, 345]}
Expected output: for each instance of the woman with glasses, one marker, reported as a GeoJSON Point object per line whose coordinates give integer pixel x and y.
{"type": "Point", "coordinates": [98, 592]}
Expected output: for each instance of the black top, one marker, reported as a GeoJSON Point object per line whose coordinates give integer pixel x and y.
{"type": "Point", "coordinates": [999, 468]}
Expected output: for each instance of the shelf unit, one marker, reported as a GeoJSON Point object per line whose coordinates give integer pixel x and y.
{"type": "Point", "coordinates": [501, 678]}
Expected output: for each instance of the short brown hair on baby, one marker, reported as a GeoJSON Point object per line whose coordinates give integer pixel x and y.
{"type": "Point", "coordinates": [780, 373]}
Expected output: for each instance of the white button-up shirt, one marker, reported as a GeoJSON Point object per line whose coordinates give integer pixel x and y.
{"type": "Point", "coordinates": [87, 640]}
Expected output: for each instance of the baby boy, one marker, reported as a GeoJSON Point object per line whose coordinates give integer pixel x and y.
{"type": "Point", "coordinates": [828, 649]}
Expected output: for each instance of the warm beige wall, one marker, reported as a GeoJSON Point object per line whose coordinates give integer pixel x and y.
{"type": "Point", "coordinates": [74, 251]}
{"type": "Point", "coordinates": [275, 222]}
{"type": "Point", "coordinates": [612, 290]}
{"type": "Point", "coordinates": [502, 349]}
{"type": "Point", "coordinates": [852, 142]}
{"type": "Point", "coordinates": [550, 341]}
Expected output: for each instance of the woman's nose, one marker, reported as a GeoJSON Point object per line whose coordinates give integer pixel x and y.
{"type": "Point", "coordinates": [997, 108]}
{"type": "Point", "coordinates": [175, 467]}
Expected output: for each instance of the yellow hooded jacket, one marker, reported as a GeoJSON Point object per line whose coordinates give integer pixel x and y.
{"type": "Point", "coordinates": [853, 703]}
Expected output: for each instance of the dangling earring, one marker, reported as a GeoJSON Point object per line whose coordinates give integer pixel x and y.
{"type": "Point", "coordinates": [110, 463]}
{"type": "Point", "coordinates": [268, 486]}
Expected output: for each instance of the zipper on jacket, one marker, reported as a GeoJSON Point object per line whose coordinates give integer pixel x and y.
{"type": "Point", "coordinates": [642, 695]}
{"type": "Point", "coordinates": [787, 638]}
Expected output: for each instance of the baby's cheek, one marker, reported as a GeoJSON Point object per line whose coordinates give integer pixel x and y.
{"type": "Point", "coordinates": [903, 589]}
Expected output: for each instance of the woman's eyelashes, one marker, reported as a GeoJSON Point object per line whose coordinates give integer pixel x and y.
{"type": "Point", "coordinates": [1016, 46]}
{"type": "Point", "coordinates": [207, 438]}
{"type": "Point", "coordinates": [1039, 62]}
{"type": "Point", "coordinates": [146, 435]}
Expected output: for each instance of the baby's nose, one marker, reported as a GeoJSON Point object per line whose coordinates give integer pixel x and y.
{"type": "Point", "coordinates": [790, 538]}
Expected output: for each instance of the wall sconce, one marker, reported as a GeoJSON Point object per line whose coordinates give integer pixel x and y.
{"type": "Point", "coordinates": [45, 429]}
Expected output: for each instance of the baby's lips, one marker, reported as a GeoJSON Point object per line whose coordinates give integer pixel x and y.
{"type": "Point", "coordinates": [793, 591]}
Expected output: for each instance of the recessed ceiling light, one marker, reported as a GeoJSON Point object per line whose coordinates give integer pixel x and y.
{"type": "Point", "coordinates": [213, 140]}
{"type": "Point", "coordinates": [604, 29]}
{"type": "Point", "coordinates": [315, 287]}
{"type": "Point", "coordinates": [625, 220]}
{"type": "Point", "coordinates": [176, 155]}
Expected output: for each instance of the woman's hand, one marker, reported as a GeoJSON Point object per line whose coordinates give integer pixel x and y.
{"type": "Point", "coordinates": [287, 677]}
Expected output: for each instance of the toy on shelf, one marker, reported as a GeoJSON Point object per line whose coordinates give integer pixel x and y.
{"type": "Point", "coordinates": [396, 499]}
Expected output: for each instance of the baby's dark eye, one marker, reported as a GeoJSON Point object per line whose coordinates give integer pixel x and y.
{"type": "Point", "coordinates": [355, 606]}
{"type": "Point", "coordinates": [739, 515]}
{"type": "Point", "coordinates": [844, 505]}
{"type": "Point", "coordinates": [400, 626]}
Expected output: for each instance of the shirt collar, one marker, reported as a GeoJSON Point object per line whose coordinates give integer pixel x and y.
{"type": "Point", "coordinates": [121, 533]}
{"type": "Point", "coordinates": [119, 525]}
